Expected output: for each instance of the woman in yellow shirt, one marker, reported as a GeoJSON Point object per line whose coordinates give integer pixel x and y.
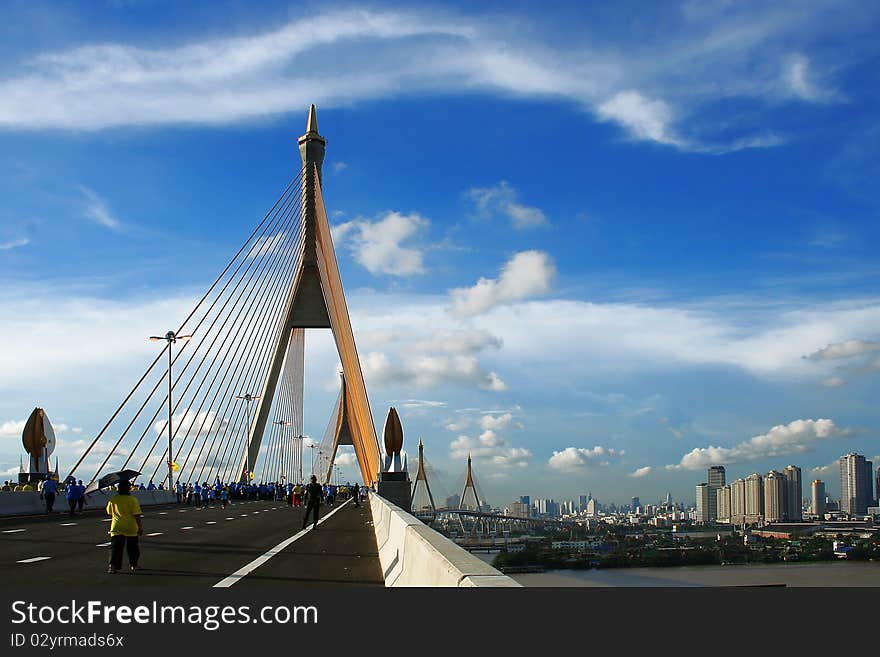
{"type": "Point", "coordinates": [126, 526]}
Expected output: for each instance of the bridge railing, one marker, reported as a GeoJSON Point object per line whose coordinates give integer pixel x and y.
{"type": "Point", "coordinates": [413, 554]}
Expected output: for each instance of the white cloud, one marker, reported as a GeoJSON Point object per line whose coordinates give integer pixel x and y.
{"type": "Point", "coordinates": [346, 459]}
{"type": "Point", "coordinates": [796, 437]}
{"type": "Point", "coordinates": [526, 274]}
{"type": "Point", "coordinates": [571, 459]}
{"type": "Point", "coordinates": [96, 209]}
{"type": "Point", "coordinates": [644, 118]}
{"type": "Point", "coordinates": [14, 244]}
{"type": "Point", "coordinates": [503, 199]}
{"type": "Point", "coordinates": [490, 447]}
{"type": "Point", "coordinates": [421, 403]}
{"type": "Point", "coordinates": [833, 382]}
{"type": "Point", "coordinates": [377, 245]}
{"type": "Point", "coordinates": [729, 51]}
{"type": "Point", "coordinates": [458, 341]}
{"type": "Point", "coordinates": [12, 428]}
{"type": "Point", "coordinates": [496, 422]}
{"type": "Point", "coordinates": [641, 472]}
{"type": "Point", "coordinates": [800, 82]}
{"type": "Point", "coordinates": [428, 371]}
{"type": "Point", "coordinates": [187, 422]}
{"type": "Point", "coordinates": [339, 165]}
{"type": "Point", "coordinates": [845, 349]}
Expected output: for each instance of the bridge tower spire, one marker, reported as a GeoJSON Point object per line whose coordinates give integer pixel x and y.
{"type": "Point", "coordinates": [429, 512]}
{"type": "Point", "coordinates": [316, 300]}
{"type": "Point", "coordinates": [469, 484]}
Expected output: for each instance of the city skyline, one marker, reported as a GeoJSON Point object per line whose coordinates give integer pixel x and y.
{"type": "Point", "coordinates": [602, 272]}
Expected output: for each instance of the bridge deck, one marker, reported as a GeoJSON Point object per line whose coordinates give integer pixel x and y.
{"type": "Point", "coordinates": [198, 547]}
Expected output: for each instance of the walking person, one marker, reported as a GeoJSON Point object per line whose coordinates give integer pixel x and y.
{"type": "Point", "coordinates": [49, 489]}
{"type": "Point", "coordinates": [81, 500]}
{"type": "Point", "coordinates": [125, 527]}
{"type": "Point", "coordinates": [356, 493]}
{"type": "Point", "coordinates": [74, 495]}
{"type": "Point", "coordinates": [314, 496]}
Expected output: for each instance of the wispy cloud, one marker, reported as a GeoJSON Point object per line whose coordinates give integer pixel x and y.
{"type": "Point", "coordinates": [845, 349]}
{"type": "Point", "coordinates": [14, 244]}
{"type": "Point", "coordinates": [96, 209]}
{"type": "Point", "coordinates": [648, 84]}
{"type": "Point", "coordinates": [638, 473]}
{"type": "Point", "coordinates": [503, 199]}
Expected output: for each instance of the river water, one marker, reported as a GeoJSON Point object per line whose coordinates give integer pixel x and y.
{"type": "Point", "coordinates": [826, 573]}
{"type": "Point", "coordinates": [789, 574]}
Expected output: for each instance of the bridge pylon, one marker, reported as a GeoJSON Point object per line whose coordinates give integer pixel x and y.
{"type": "Point", "coordinates": [424, 512]}
{"type": "Point", "coordinates": [316, 300]}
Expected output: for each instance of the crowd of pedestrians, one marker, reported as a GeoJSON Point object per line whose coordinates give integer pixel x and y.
{"type": "Point", "coordinates": [126, 517]}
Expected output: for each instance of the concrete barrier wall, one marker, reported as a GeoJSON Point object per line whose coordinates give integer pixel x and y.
{"type": "Point", "coordinates": [413, 554]}
{"type": "Point", "coordinates": [28, 503]}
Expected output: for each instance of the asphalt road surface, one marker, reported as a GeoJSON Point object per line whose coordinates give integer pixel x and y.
{"type": "Point", "coordinates": [198, 547]}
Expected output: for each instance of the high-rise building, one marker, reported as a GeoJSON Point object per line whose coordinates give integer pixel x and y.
{"type": "Point", "coordinates": [525, 499]}
{"type": "Point", "coordinates": [819, 497]}
{"type": "Point", "coordinates": [754, 497]}
{"type": "Point", "coordinates": [582, 503]}
{"type": "Point", "coordinates": [723, 504]}
{"type": "Point", "coordinates": [715, 478]}
{"type": "Point", "coordinates": [794, 493]}
{"type": "Point", "coordinates": [635, 504]}
{"type": "Point", "coordinates": [592, 507]}
{"type": "Point", "coordinates": [704, 508]}
{"type": "Point", "coordinates": [737, 501]}
{"type": "Point", "coordinates": [877, 487]}
{"type": "Point", "coordinates": [519, 510]}
{"type": "Point", "coordinates": [855, 483]}
{"type": "Point", "coordinates": [668, 501]}
{"type": "Point", "coordinates": [775, 497]}
{"type": "Point", "coordinates": [453, 501]}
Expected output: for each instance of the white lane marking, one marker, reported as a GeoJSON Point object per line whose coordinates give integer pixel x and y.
{"type": "Point", "coordinates": [103, 544]}
{"type": "Point", "coordinates": [230, 518]}
{"type": "Point", "coordinates": [162, 513]}
{"type": "Point", "coordinates": [155, 534]}
{"type": "Point", "coordinates": [245, 570]}
{"type": "Point", "coordinates": [13, 531]}
{"type": "Point", "coordinates": [186, 528]}
{"type": "Point", "coordinates": [211, 522]}
{"type": "Point", "coordinates": [32, 559]}
{"type": "Point", "coordinates": [67, 524]}
{"type": "Point", "coordinates": [182, 511]}
{"type": "Point", "coordinates": [106, 519]}
{"type": "Point", "coordinates": [243, 515]}
{"type": "Point", "coordinates": [256, 512]}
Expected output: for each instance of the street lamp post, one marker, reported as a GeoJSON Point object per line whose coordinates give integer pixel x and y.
{"type": "Point", "coordinates": [171, 337]}
{"type": "Point", "coordinates": [248, 398]}
{"type": "Point", "coordinates": [283, 460]}
{"type": "Point", "coordinates": [312, 447]}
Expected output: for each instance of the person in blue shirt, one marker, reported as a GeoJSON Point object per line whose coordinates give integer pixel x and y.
{"type": "Point", "coordinates": [151, 486]}
{"type": "Point", "coordinates": [179, 492]}
{"type": "Point", "coordinates": [197, 495]}
{"type": "Point", "coordinates": [82, 495]}
{"type": "Point", "coordinates": [50, 487]}
{"type": "Point", "coordinates": [74, 494]}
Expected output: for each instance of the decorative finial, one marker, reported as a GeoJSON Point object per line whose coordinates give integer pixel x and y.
{"type": "Point", "coordinates": [312, 124]}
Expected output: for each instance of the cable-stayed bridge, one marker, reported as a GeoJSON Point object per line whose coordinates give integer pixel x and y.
{"type": "Point", "coordinates": [222, 403]}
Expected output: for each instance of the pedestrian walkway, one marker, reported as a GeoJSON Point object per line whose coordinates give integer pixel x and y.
{"type": "Point", "coordinates": [197, 547]}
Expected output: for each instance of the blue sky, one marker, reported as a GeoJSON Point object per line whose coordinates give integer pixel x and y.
{"type": "Point", "coordinates": [599, 247]}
